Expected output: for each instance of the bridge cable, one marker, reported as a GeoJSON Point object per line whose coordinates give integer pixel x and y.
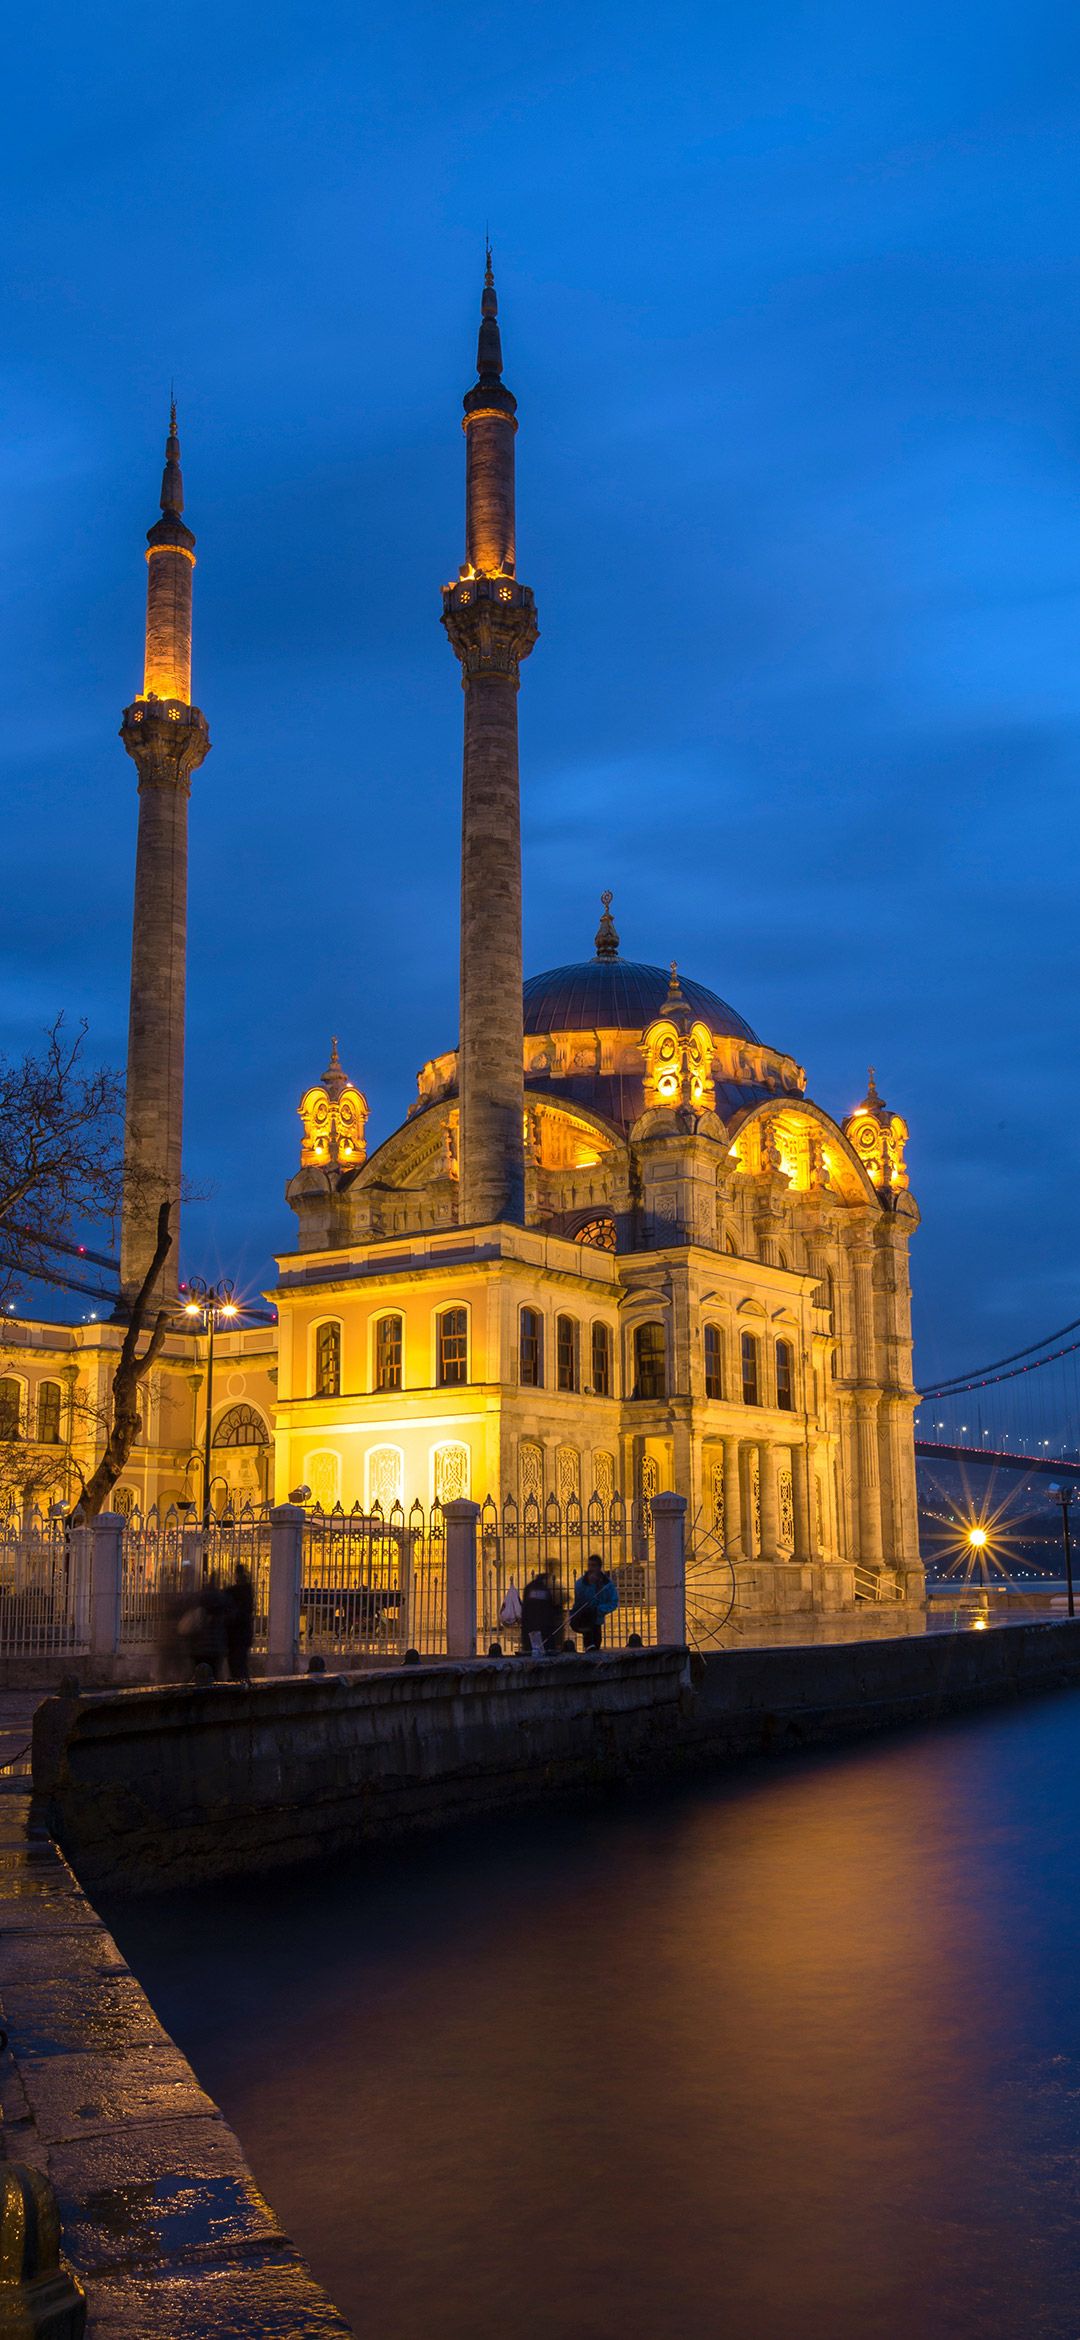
{"type": "Point", "coordinates": [961, 1381]}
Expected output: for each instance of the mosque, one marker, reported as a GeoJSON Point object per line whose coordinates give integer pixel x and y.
{"type": "Point", "coordinates": [614, 1248]}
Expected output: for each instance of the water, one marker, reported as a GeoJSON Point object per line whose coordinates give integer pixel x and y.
{"type": "Point", "coordinates": [795, 2055]}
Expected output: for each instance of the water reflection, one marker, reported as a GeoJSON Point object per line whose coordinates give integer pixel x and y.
{"type": "Point", "coordinates": [800, 2052]}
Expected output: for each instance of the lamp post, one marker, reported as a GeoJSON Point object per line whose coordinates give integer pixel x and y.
{"type": "Point", "coordinates": [208, 1302]}
{"type": "Point", "coordinates": [1063, 1496]}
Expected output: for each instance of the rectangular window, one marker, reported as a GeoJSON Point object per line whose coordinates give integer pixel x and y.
{"type": "Point", "coordinates": [388, 1353]}
{"type": "Point", "coordinates": [650, 1361]}
{"type": "Point", "coordinates": [9, 1408]}
{"type": "Point", "coordinates": [785, 1377]}
{"type": "Point", "coordinates": [531, 1349]}
{"type": "Point", "coordinates": [601, 1359]}
{"type": "Point", "coordinates": [452, 1348]}
{"type": "Point", "coordinates": [714, 1376]}
{"type": "Point", "coordinates": [48, 1413]}
{"type": "Point", "coordinates": [566, 1352]}
{"type": "Point", "coordinates": [750, 1376]}
{"type": "Point", "coordinates": [328, 1361]}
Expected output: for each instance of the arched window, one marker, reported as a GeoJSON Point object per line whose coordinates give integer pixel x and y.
{"type": "Point", "coordinates": [10, 1408]}
{"type": "Point", "coordinates": [388, 1336]}
{"type": "Point", "coordinates": [241, 1426]}
{"type": "Point", "coordinates": [531, 1349]}
{"type": "Point", "coordinates": [452, 1348]}
{"type": "Point", "coordinates": [48, 1413]}
{"type": "Point", "coordinates": [598, 1233]}
{"type": "Point", "coordinates": [650, 1361]}
{"type": "Point", "coordinates": [714, 1369]}
{"type": "Point", "coordinates": [785, 1377]}
{"type": "Point", "coordinates": [450, 1473]}
{"type": "Point", "coordinates": [385, 1476]}
{"type": "Point", "coordinates": [567, 1353]}
{"type": "Point", "coordinates": [751, 1376]}
{"type": "Point", "coordinates": [328, 1360]}
{"type": "Point", "coordinates": [601, 1358]}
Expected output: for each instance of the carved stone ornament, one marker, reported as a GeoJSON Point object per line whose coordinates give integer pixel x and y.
{"type": "Point", "coordinates": [166, 741]}
{"type": "Point", "coordinates": [491, 624]}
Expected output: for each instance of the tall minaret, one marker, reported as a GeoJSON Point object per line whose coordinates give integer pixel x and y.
{"type": "Point", "coordinates": [167, 738]}
{"type": "Point", "coordinates": [491, 621]}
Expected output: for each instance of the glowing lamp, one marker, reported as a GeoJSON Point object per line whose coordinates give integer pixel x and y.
{"type": "Point", "coordinates": [977, 1537]}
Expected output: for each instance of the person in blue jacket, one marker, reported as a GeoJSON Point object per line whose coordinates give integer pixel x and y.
{"type": "Point", "coordinates": [596, 1595]}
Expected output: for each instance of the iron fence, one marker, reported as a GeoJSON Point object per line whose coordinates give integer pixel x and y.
{"type": "Point", "coordinates": [374, 1582]}
{"type": "Point", "coordinates": [517, 1542]}
{"type": "Point", "coordinates": [44, 1585]}
{"type": "Point", "coordinates": [167, 1558]}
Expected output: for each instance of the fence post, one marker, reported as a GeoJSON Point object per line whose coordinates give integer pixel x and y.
{"type": "Point", "coordinates": [106, 1577]}
{"type": "Point", "coordinates": [461, 1517]}
{"type": "Point", "coordinates": [669, 1523]}
{"type": "Point", "coordinates": [286, 1581]}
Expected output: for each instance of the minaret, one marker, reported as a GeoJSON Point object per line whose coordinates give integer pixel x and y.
{"type": "Point", "coordinates": [491, 622]}
{"type": "Point", "coordinates": [167, 739]}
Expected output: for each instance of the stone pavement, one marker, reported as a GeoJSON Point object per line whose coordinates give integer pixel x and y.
{"type": "Point", "coordinates": [162, 2219]}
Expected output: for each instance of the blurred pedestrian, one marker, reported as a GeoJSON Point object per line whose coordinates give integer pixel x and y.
{"type": "Point", "coordinates": [239, 1623]}
{"type": "Point", "coordinates": [542, 1616]}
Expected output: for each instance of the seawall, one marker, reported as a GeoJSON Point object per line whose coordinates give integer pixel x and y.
{"type": "Point", "coordinates": [153, 1788]}
{"type": "Point", "coordinates": [144, 1789]}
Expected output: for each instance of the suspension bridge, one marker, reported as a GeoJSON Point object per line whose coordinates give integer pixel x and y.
{"type": "Point", "coordinates": [994, 1445]}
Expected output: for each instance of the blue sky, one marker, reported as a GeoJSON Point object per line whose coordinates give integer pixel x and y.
{"type": "Point", "coordinates": [790, 302]}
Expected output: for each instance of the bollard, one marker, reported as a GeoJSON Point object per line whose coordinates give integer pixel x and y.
{"type": "Point", "coordinates": [461, 1517]}
{"type": "Point", "coordinates": [669, 1524]}
{"type": "Point", "coordinates": [106, 1548]}
{"type": "Point", "coordinates": [286, 1584]}
{"type": "Point", "coordinates": [39, 2299]}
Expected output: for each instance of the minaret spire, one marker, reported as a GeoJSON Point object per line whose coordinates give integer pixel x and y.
{"type": "Point", "coordinates": [491, 622]}
{"type": "Point", "coordinates": [167, 739]}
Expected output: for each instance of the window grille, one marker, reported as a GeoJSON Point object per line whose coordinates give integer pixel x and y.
{"type": "Point", "coordinates": [452, 1348]}
{"type": "Point", "coordinates": [388, 1352]}
{"type": "Point", "coordinates": [531, 1349]}
{"type": "Point", "coordinates": [241, 1426]}
{"type": "Point", "coordinates": [48, 1413]}
{"type": "Point", "coordinates": [328, 1361]}
{"type": "Point", "coordinates": [650, 1361]}
{"type": "Point", "coordinates": [566, 1352]}
{"type": "Point", "coordinates": [601, 1359]}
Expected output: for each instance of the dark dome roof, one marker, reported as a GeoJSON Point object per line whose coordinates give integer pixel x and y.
{"type": "Point", "coordinates": [618, 995]}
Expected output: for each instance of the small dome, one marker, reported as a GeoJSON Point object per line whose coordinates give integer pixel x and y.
{"type": "Point", "coordinates": [620, 995]}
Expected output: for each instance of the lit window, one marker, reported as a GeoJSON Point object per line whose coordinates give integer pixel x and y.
{"type": "Point", "coordinates": [650, 1361]}
{"type": "Point", "coordinates": [714, 1376]}
{"type": "Point", "coordinates": [9, 1408]}
{"type": "Point", "coordinates": [48, 1413]}
{"type": "Point", "coordinates": [531, 1349]}
{"type": "Point", "coordinates": [328, 1361]}
{"type": "Point", "coordinates": [599, 1234]}
{"type": "Point", "coordinates": [601, 1359]}
{"type": "Point", "coordinates": [452, 1348]}
{"type": "Point", "coordinates": [785, 1377]}
{"type": "Point", "coordinates": [566, 1353]}
{"type": "Point", "coordinates": [750, 1376]}
{"type": "Point", "coordinates": [388, 1353]}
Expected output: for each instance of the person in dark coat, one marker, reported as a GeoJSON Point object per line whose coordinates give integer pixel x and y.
{"type": "Point", "coordinates": [205, 1628]}
{"type": "Point", "coordinates": [239, 1623]}
{"type": "Point", "coordinates": [542, 1616]}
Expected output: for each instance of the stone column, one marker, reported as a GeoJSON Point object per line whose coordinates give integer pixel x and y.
{"type": "Point", "coordinates": [870, 1550]}
{"type": "Point", "coordinates": [770, 1510]}
{"type": "Point", "coordinates": [461, 1517]}
{"type": "Point", "coordinates": [106, 1538]}
{"type": "Point", "coordinates": [751, 1541]}
{"type": "Point", "coordinates": [669, 1523]}
{"type": "Point", "coordinates": [286, 1586]}
{"type": "Point", "coordinates": [733, 1507]}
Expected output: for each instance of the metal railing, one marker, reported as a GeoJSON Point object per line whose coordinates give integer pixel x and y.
{"type": "Point", "coordinates": [44, 1585]}
{"type": "Point", "coordinates": [517, 1541]}
{"type": "Point", "coordinates": [374, 1582]}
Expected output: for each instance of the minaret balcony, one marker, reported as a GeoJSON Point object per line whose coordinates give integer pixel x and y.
{"type": "Point", "coordinates": [504, 591]}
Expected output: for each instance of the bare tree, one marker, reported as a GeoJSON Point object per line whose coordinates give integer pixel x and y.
{"type": "Point", "coordinates": [125, 1420]}
{"type": "Point", "coordinates": [61, 1152]}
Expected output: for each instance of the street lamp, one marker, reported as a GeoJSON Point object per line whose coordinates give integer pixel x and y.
{"type": "Point", "coordinates": [1063, 1496]}
{"type": "Point", "coordinates": [209, 1302]}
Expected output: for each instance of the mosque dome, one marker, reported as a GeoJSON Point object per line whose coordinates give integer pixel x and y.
{"type": "Point", "coordinates": [610, 994]}
{"type": "Point", "coordinates": [619, 995]}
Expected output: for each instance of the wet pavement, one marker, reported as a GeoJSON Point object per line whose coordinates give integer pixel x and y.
{"type": "Point", "coordinates": [162, 2219]}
